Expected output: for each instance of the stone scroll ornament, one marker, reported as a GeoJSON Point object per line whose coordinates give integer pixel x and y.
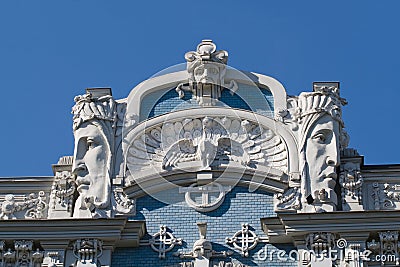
{"type": "Point", "coordinates": [95, 125]}
{"type": "Point", "coordinates": [316, 117]}
{"type": "Point", "coordinates": [207, 68]}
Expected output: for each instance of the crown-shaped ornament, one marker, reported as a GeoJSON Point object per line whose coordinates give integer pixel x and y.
{"type": "Point", "coordinates": [97, 103]}
{"type": "Point", "coordinates": [207, 69]}
{"type": "Point", "coordinates": [206, 51]}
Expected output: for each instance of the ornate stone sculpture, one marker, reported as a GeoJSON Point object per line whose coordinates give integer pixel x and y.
{"type": "Point", "coordinates": [205, 142]}
{"type": "Point", "coordinates": [289, 200]}
{"type": "Point", "coordinates": [63, 189]}
{"type": "Point", "coordinates": [243, 240]}
{"type": "Point", "coordinates": [351, 181]}
{"type": "Point", "coordinates": [53, 259]}
{"type": "Point", "coordinates": [22, 253]}
{"type": "Point", "coordinates": [163, 241]}
{"type": "Point", "coordinates": [318, 253]}
{"type": "Point", "coordinates": [87, 252]}
{"type": "Point", "coordinates": [202, 249]}
{"type": "Point", "coordinates": [93, 124]}
{"type": "Point", "coordinates": [385, 196]}
{"type": "Point", "coordinates": [96, 123]}
{"type": "Point", "coordinates": [122, 203]}
{"type": "Point", "coordinates": [388, 246]}
{"type": "Point", "coordinates": [318, 123]}
{"type": "Point", "coordinates": [38, 206]}
{"type": "Point", "coordinates": [26, 255]}
{"type": "Point", "coordinates": [34, 205]}
{"type": "Point", "coordinates": [319, 242]}
{"type": "Point", "coordinates": [205, 191]}
{"type": "Point", "coordinates": [207, 69]}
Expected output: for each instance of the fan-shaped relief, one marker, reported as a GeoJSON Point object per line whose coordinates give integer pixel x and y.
{"type": "Point", "coordinates": [206, 142]}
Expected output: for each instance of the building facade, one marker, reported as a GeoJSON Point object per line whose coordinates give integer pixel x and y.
{"type": "Point", "coordinates": [208, 166]}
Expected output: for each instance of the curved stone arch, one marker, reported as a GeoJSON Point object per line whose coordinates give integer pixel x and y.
{"type": "Point", "coordinates": [150, 184]}
{"type": "Point", "coordinates": [278, 128]}
{"type": "Point", "coordinates": [166, 82]}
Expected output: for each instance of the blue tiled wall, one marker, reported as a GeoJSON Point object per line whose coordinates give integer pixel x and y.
{"type": "Point", "coordinates": [247, 97]}
{"type": "Point", "coordinates": [239, 206]}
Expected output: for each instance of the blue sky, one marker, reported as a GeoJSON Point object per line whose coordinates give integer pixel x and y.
{"type": "Point", "coordinates": [51, 51]}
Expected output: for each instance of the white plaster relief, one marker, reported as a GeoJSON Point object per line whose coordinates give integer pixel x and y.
{"type": "Point", "coordinates": [122, 204]}
{"type": "Point", "coordinates": [97, 124]}
{"type": "Point", "coordinates": [202, 250]}
{"type": "Point", "coordinates": [21, 253]}
{"type": "Point", "coordinates": [354, 256]}
{"type": "Point", "coordinates": [26, 255]}
{"type": "Point", "coordinates": [392, 191]}
{"type": "Point", "coordinates": [321, 241]}
{"type": "Point", "coordinates": [351, 181]}
{"type": "Point", "coordinates": [385, 196]}
{"type": "Point", "coordinates": [34, 205]}
{"type": "Point", "coordinates": [316, 119]}
{"type": "Point", "coordinates": [185, 264]}
{"type": "Point", "coordinates": [281, 114]}
{"type": "Point", "coordinates": [163, 241]}
{"type": "Point", "coordinates": [94, 125]}
{"type": "Point", "coordinates": [207, 141]}
{"type": "Point", "coordinates": [244, 240]}
{"type": "Point", "coordinates": [209, 201]}
{"type": "Point", "coordinates": [62, 194]}
{"type": "Point", "coordinates": [387, 245]}
{"type": "Point", "coordinates": [53, 259]}
{"type": "Point", "coordinates": [207, 69]}
{"type": "Point", "coordinates": [289, 200]}
{"type": "Point", "coordinates": [88, 252]}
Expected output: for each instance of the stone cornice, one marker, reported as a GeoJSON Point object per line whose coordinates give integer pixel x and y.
{"type": "Point", "coordinates": [118, 232]}
{"type": "Point", "coordinates": [374, 170]}
{"type": "Point", "coordinates": [383, 167]}
{"type": "Point", "coordinates": [273, 180]}
{"type": "Point", "coordinates": [20, 185]}
{"type": "Point", "coordinates": [285, 226]}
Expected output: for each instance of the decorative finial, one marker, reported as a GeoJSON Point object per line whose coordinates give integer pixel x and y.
{"type": "Point", "coordinates": [206, 51]}
{"type": "Point", "coordinates": [207, 68]}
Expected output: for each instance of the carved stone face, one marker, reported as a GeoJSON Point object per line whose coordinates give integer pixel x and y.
{"type": "Point", "coordinates": [202, 248]}
{"type": "Point", "coordinates": [90, 167]}
{"type": "Point", "coordinates": [322, 155]}
{"type": "Point", "coordinates": [207, 73]}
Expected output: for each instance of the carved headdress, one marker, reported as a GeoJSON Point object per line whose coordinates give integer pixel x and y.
{"type": "Point", "coordinates": [325, 99]}
{"type": "Point", "coordinates": [309, 108]}
{"type": "Point", "coordinates": [98, 108]}
{"type": "Point", "coordinates": [89, 106]}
